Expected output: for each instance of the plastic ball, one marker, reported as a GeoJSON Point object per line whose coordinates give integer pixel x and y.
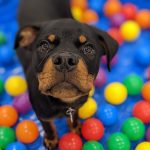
{"type": "Point", "coordinates": [108, 114]}
{"type": "Point", "coordinates": [147, 73]}
{"type": "Point", "coordinates": [7, 136]}
{"type": "Point", "coordinates": [134, 129]}
{"type": "Point", "coordinates": [148, 134]}
{"type": "Point", "coordinates": [141, 111]}
{"type": "Point", "coordinates": [16, 146]}
{"type": "Point", "coordinates": [116, 34]}
{"type": "Point", "coordinates": [70, 141]}
{"type": "Point", "coordinates": [100, 79]}
{"type": "Point", "coordinates": [8, 116]}
{"type": "Point", "coordinates": [143, 18]}
{"type": "Point", "coordinates": [115, 93]}
{"type": "Point", "coordinates": [77, 13]}
{"type": "Point", "coordinates": [1, 86]}
{"type": "Point", "coordinates": [7, 55]}
{"type": "Point", "coordinates": [22, 103]}
{"type": "Point", "coordinates": [92, 129]}
{"type": "Point", "coordinates": [91, 93]}
{"type": "Point", "coordinates": [2, 38]}
{"type": "Point", "coordinates": [15, 85]}
{"type": "Point", "coordinates": [92, 145]}
{"type": "Point", "coordinates": [129, 10]}
{"type": "Point", "coordinates": [118, 141]}
{"type": "Point", "coordinates": [142, 56]}
{"type": "Point", "coordinates": [130, 30]}
{"type": "Point", "coordinates": [112, 7]}
{"type": "Point", "coordinates": [117, 20]}
{"type": "Point", "coordinates": [89, 16]}
{"type": "Point", "coordinates": [145, 91]}
{"type": "Point", "coordinates": [27, 131]}
{"type": "Point", "coordinates": [134, 84]}
{"type": "Point", "coordinates": [143, 146]}
{"type": "Point", "coordinates": [88, 109]}
{"type": "Point", "coordinates": [81, 4]}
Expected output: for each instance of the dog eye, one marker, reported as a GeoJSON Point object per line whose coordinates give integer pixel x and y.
{"type": "Point", "coordinates": [88, 50]}
{"type": "Point", "coordinates": [44, 46]}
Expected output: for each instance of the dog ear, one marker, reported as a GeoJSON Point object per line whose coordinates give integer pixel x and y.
{"type": "Point", "coordinates": [26, 36]}
{"type": "Point", "coordinates": [109, 44]}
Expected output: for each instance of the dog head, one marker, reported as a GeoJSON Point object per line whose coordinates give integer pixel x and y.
{"type": "Point", "coordinates": [66, 56]}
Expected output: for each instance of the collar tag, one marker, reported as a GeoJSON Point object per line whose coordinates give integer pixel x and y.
{"type": "Point", "coordinates": [70, 112]}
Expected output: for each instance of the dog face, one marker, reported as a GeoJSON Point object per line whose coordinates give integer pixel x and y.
{"type": "Point", "coordinates": [65, 56]}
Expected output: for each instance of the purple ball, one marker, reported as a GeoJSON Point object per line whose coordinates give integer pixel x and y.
{"type": "Point", "coordinates": [117, 20]}
{"type": "Point", "coordinates": [100, 79]}
{"type": "Point", "coordinates": [22, 103]}
{"type": "Point", "coordinates": [113, 62]}
{"type": "Point", "coordinates": [148, 134]}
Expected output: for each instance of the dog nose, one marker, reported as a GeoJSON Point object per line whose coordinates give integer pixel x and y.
{"type": "Point", "coordinates": [65, 62]}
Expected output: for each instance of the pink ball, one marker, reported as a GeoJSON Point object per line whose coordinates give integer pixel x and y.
{"type": "Point", "coordinates": [22, 103]}
{"type": "Point", "coordinates": [101, 78]}
{"type": "Point", "coordinates": [148, 134]}
{"type": "Point", "coordinates": [117, 20]}
{"type": "Point", "coordinates": [113, 62]}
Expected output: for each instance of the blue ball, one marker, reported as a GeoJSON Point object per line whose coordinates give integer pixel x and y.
{"type": "Point", "coordinates": [16, 146]}
{"type": "Point", "coordinates": [108, 114]}
{"type": "Point", "coordinates": [142, 56]}
{"type": "Point", "coordinates": [7, 55]}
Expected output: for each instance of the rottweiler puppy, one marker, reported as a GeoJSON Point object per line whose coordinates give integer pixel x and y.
{"type": "Point", "coordinates": [61, 58]}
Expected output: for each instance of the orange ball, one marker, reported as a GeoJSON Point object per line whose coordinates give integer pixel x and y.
{"type": "Point", "coordinates": [89, 16]}
{"type": "Point", "coordinates": [8, 116]}
{"type": "Point", "coordinates": [27, 131]}
{"type": "Point", "coordinates": [112, 7]}
{"type": "Point", "coordinates": [115, 33]}
{"type": "Point", "coordinates": [82, 4]}
{"type": "Point", "coordinates": [146, 91]}
{"type": "Point", "coordinates": [143, 18]}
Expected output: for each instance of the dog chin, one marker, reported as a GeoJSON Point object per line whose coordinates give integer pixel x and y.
{"type": "Point", "coordinates": [66, 92]}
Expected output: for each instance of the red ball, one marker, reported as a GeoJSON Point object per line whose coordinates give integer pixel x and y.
{"type": "Point", "coordinates": [141, 110]}
{"type": "Point", "coordinates": [129, 10]}
{"type": "Point", "coordinates": [70, 141]}
{"type": "Point", "coordinates": [92, 129]}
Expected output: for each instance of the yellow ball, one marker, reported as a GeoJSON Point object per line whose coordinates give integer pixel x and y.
{"type": "Point", "coordinates": [130, 30]}
{"type": "Point", "coordinates": [88, 109]}
{"type": "Point", "coordinates": [77, 13]}
{"type": "Point", "coordinates": [115, 93]}
{"type": "Point", "coordinates": [15, 85]}
{"type": "Point", "coordinates": [143, 146]}
{"type": "Point", "coordinates": [91, 93]}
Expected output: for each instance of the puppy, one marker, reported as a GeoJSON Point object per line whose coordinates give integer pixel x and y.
{"type": "Point", "coordinates": [60, 58]}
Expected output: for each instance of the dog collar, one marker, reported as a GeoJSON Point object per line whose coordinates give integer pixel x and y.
{"type": "Point", "coordinates": [70, 112]}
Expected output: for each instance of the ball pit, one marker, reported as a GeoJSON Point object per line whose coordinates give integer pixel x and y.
{"type": "Point", "coordinates": [115, 93]}
{"type": "Point", "coordinates": [70, 141]}
{"type": "Point", "coordinates": [15, 85]}
{"type": "Point", "coordinates": [92, 129]}
{"type": "Point", "coordinates": [7, 136]}
{"type": "Point", "coordinates": [27, 131]}
{"type": "Point", "coordinates": [134, 129]}
{"type": "Point", "coordinates": [8, 116]}
{"type": "Point", "coordinates": [132, 58]}
{"type": "Point", "coordinates": [88, 109]}
{"type": "Point", "coordinates": [118, 141]}
{"type": "Point", "coordinates": [92, 145]}
{"type": "Point", "coordinates": [130, 31]}
{"type": "Point", "coordinates": [133, 84]}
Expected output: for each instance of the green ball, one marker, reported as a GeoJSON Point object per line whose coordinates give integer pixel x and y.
{"type": "Point", "coordinates": [92, 145]}
{"type": "Point", "coordinates": [118, 141]}
{"type": "Point", "coordinates": [2, 38]}
{"type": "Point", "coordinates": [133, 84]}
{"type": "Point", "coordinates": [134, 129]}
{"type": "Point", "coordinates": [1, 86]}
{"type": "Point", "coordinates": [7, 136]}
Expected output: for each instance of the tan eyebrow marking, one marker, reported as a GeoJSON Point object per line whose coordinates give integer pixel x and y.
{"type": "Point", "coordinates": [82, 39]}
{"type": "Point", "coordinates": [52, 37]}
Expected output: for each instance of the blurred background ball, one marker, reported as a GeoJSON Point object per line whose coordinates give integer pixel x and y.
{"type": "Point", "coordinates": [148, 134]}
{"type": "Point", "coordinates": [143, 146]}
{"type": "Point", "coordinates": [146, 91]}
{"type": "Point", "coordinates": [92, 145]}
{"type": "Point", "coordinates": [16, 146]}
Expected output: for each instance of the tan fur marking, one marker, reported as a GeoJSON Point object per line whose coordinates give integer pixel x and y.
{"type": "Point", "coordinates": [52, 38]}
{"type": "Point", "coordinates": [82, 39]}
{"type": "Point", "coordinates": [28, 36]}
